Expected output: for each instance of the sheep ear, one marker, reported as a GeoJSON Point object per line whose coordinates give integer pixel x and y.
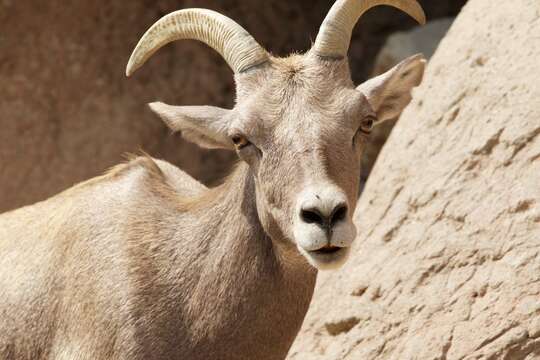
{"type": "Point", "coordinates": [205, 126]}
{"type": "Point", "coordinates": [389, 93]}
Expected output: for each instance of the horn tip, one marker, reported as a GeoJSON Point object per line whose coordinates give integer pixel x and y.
{"type": "Point", "coordinates": [129, 69]}
{"type": "Point", "coordinates": [420, 15]}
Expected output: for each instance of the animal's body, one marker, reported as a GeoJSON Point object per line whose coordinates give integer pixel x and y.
{"type": "Point", "coordinates": [109, 270]}
{"type": "Point", "coordinates": [147, 263]}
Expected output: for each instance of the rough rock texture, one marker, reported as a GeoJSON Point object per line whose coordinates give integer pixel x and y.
{"type": "Point", "coordinates": [447, 262]}
{"type": "Point", "coordinates": [67, 112]}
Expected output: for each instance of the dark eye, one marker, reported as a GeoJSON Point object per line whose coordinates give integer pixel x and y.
{"type": "Point", "coordinates": [240, 141]}
{"type": "Point", "coordinates": [367, 125]}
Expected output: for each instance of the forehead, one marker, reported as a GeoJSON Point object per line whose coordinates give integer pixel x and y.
{"type": "Point", "coordinates": [300, 91]}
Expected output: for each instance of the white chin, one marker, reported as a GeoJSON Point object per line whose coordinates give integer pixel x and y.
{"type": "Point", "coordinates": [326, 261]}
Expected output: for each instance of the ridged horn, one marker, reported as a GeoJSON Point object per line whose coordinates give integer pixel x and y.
{"type": "Point", "coordinates": [224, 35]}
{"type": "Point", "coordinates": [334, 36]}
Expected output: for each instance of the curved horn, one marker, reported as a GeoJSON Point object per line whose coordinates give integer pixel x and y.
{"type": "Point", "coordinates": [334, 35]}
{"type": "Point", "coordinates": [224, 35]}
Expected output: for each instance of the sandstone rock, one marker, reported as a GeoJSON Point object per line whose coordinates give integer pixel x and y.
{"type": "Point", "coordinates": [447, 262]}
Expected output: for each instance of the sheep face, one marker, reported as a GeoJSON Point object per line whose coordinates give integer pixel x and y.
{"type": "Point", "coordinates": [302, 125]}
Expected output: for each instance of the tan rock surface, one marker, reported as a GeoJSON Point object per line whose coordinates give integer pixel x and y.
{"type": "Point", "coordinates": [447, 262]}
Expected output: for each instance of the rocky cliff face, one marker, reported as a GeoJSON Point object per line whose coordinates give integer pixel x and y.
{"type": "Point", "coordinates": [447, 262]}
{"type": "Point", "coordinates": [67, 112]}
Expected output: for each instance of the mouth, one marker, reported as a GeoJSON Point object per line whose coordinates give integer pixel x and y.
{"type": "Point", "coordinates": [328, 257]}
{"type": "Point", "coordinates": [327, 250]}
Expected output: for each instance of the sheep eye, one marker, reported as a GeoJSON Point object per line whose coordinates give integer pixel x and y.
{"type": "Point", "coordinates": [367, 125]}
{"type": "Point", "coordinates": [240, 141]}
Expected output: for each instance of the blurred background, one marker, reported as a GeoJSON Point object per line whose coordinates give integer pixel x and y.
{"type": "Point", "coordinates": [67, 111]}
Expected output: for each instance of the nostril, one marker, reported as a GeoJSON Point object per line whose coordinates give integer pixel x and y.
{"type": "Point", "coordinates": [338, 214]}
{"type": "Point", "coordinates": [311, 216]}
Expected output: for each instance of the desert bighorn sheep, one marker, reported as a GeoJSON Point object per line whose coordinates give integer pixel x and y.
{"type": "Point", "coordinates": [147, 263]}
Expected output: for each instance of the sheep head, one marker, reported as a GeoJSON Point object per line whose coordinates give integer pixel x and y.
{"type": "Point", "coordinates": [299, 122]}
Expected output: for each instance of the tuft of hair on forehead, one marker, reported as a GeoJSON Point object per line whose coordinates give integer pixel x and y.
{"type": "Point", "coordinates": [306, 72]}
{"type": "Point", "coordinates": [311, 72]}
{"type": "Point", "coordinates": [290, 65]}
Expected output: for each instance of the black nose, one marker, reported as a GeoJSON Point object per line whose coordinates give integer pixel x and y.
{"type": "Point", "coordinates": [314, 215]}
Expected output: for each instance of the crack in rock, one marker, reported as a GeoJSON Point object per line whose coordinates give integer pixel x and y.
{"type": "Point", "coordinates": [342, 326]}
{"type": "Point", "coordinates": [490, 144]}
